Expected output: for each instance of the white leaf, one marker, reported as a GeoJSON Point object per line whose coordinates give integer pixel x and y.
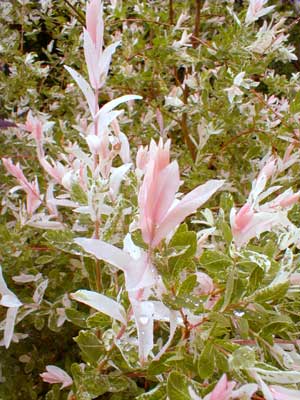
{"type": "Point", "coordinates": [85, 88]}
{"type": "Point", "coordinates": [101, 303]}
{"type": "Point", "coordinates": [104, 61]}
{"type": "Point", "coordinates": [125, 148]}
{"type": "Point", "coordinates": [281, 377]}
{"type": "Point", "coordinates": [25, 278]}
{"type": "Point", "coordinates": [173, 325]}
{"type": "Point", "coordinates": [105, 118]}
{"type": "Point", "coordinates": [131, 248]}
{"type": "Point", "coordinates": [143, 314]}
{"type": "Point", "coordinates": [3, 287]}
{"type": "Point", "coordinates": [114, 103]}
{"type": "Point", "coordinates": [9, 300]}
{"type": "Point", "coordinates": [9, 325]}
{"type": "Point", "coordinates": [40, 291]}
{"type": "Point", "coordinates": [116, 177]}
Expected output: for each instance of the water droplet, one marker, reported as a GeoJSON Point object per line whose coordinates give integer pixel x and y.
{"type": "Point", "coordinates": [143, 319]}
{"type": "Point", "coordinates": [239, 313]}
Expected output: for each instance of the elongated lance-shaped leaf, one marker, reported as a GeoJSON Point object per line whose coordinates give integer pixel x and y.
{"type": "Point", "coordinates": [101, 303]}
{"type": "Point", "coordinates": [115, 102]}
{"type": "Point", "coordinates": [85, 88]}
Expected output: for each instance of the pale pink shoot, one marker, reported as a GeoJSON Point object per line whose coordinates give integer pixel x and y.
{"type": "Point", "coordinates": [142, 158]}
{"type": "Point", "coordinates": [34, 126]}
{"type": "Point", "coordinates": [33, 199]}
{"type": "Point", "coordinates": [289, 200]}
{"type": "Point", "coordinates": [55, 374]}
{"type": "Point", "coordinates": [157, 196]}
{"type": "Point", "coordinates": [223, 389]}
{"type": "Point", "coordinates": [206, 284]}
{"type": "Point", "coordinates": [94, 23]}
{"type": "Point", "coordinates": [243, 218]}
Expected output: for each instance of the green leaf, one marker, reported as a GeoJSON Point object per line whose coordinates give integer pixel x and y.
{"type": "Point", "coordinates": [98, 320]}
{"type": "Point", "coordinates": [226, 231]}
{"type": "Point", "coordinates": [276, 325]}
{"type": "Point", "coordinates": [226, 202]}
{"type": "Point", "coordinates": [39, 322]}
{"type": "Point", "coordinates": [157, 367]}
{"type": "Point", "coordinates": [229, 288]}
{"type": "Point", "coordinates": [186, 244]}
{"type": "Point", "coordinates": [270, 293]}
{"type": "Point", "coordinates": [242, 327]}
{"type": "Point", "coordinates": [78, 194]}
{"type": "Point", "coordinates": [89, 382]}
{"type": "Point", "coordinates": [188, 285]}
{"type": "Point", "coordinates": [206, 361]}
{"type": "Point", "coordinates": [78, 318]}
{"type": "Point", "coordinates": [91, 347]}
{"type": "Point", "coordinates": [42, 260]}
{"type": "Point", "coordinates": [242, 358]}
{"type": "Point", "coordinates": [214, 261]}
{"type": "Point", "coordinates": [54, 393]}
{"type": "Point", "coordinates": [185, 301]}
{"type": "Point", "coordinates": [158, 393]}
{"type": "Point", "coordinates": [295, 104]}
{"type": "Point", "coordinates": [182, 239]}
{"type": "Point", "coordinates": [63, 240]}
{"type": "Point", "coordinates": [117, 383]}
{"type": "Point", "coordinates": [137, 239]}
{"type": "Point", "coordinates": [255, 279]}
{"type": "Point", "coordinates": [177, 386]}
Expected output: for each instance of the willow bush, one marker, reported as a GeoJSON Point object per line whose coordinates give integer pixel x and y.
{"type": "Point", "coordinates": [149, 218]}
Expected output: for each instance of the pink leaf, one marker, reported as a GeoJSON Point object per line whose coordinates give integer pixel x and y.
{"type": "Point", "coordinates": [56, 375]}
{"type": "Point", "coordinates": [94, 23]}
{"type": "Point", "coordinates": [90, 54]}
{"type": "Point", "coordinates": [185, 207]}
{"type": "Point", "coordinates": [223, 389]}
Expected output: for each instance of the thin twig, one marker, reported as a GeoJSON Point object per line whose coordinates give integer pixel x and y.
{"type": "Point", "coordinates": [80, 16]}
{"type": "Point", "coordinates": [142, 20]}
{"type": "Point", "coordinates": [237, 136]}
{"type": "Point", "coordinates": [197, 24]}
{"type": "Point", "coordinates": [171, 12]}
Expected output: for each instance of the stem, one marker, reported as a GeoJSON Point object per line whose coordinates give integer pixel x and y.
{"type": "Point", "coordinates": [98, 266]}
{"type": "Point", "coordinates": [96, 158]}
{"type": "Point", "coordinates": [80, 16]}
{"type": "Point", "coordinates": [119, 335]}
{"type": "Point", "coordinates": [262, 100]}
{"type": "Point", "coordinates": [184, 127]}
{"type": "Point", "coordinates": [141, 20]}
{"type": "Point", "coordinates": [253, 342]}
{"type": "Point", "coordinates": [238, 135]}
{"type": "Point", "coordinates": [22, 29]}
{"type": "Point", "coordinates": [197, 24]}
{"type": "Point", "coordinates": [98, 276]}
{"type": "Point", "coordinates": [171, 12]}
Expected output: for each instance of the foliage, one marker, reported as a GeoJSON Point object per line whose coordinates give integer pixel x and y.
{"type": "Point", "coordinates": [110, 288]}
